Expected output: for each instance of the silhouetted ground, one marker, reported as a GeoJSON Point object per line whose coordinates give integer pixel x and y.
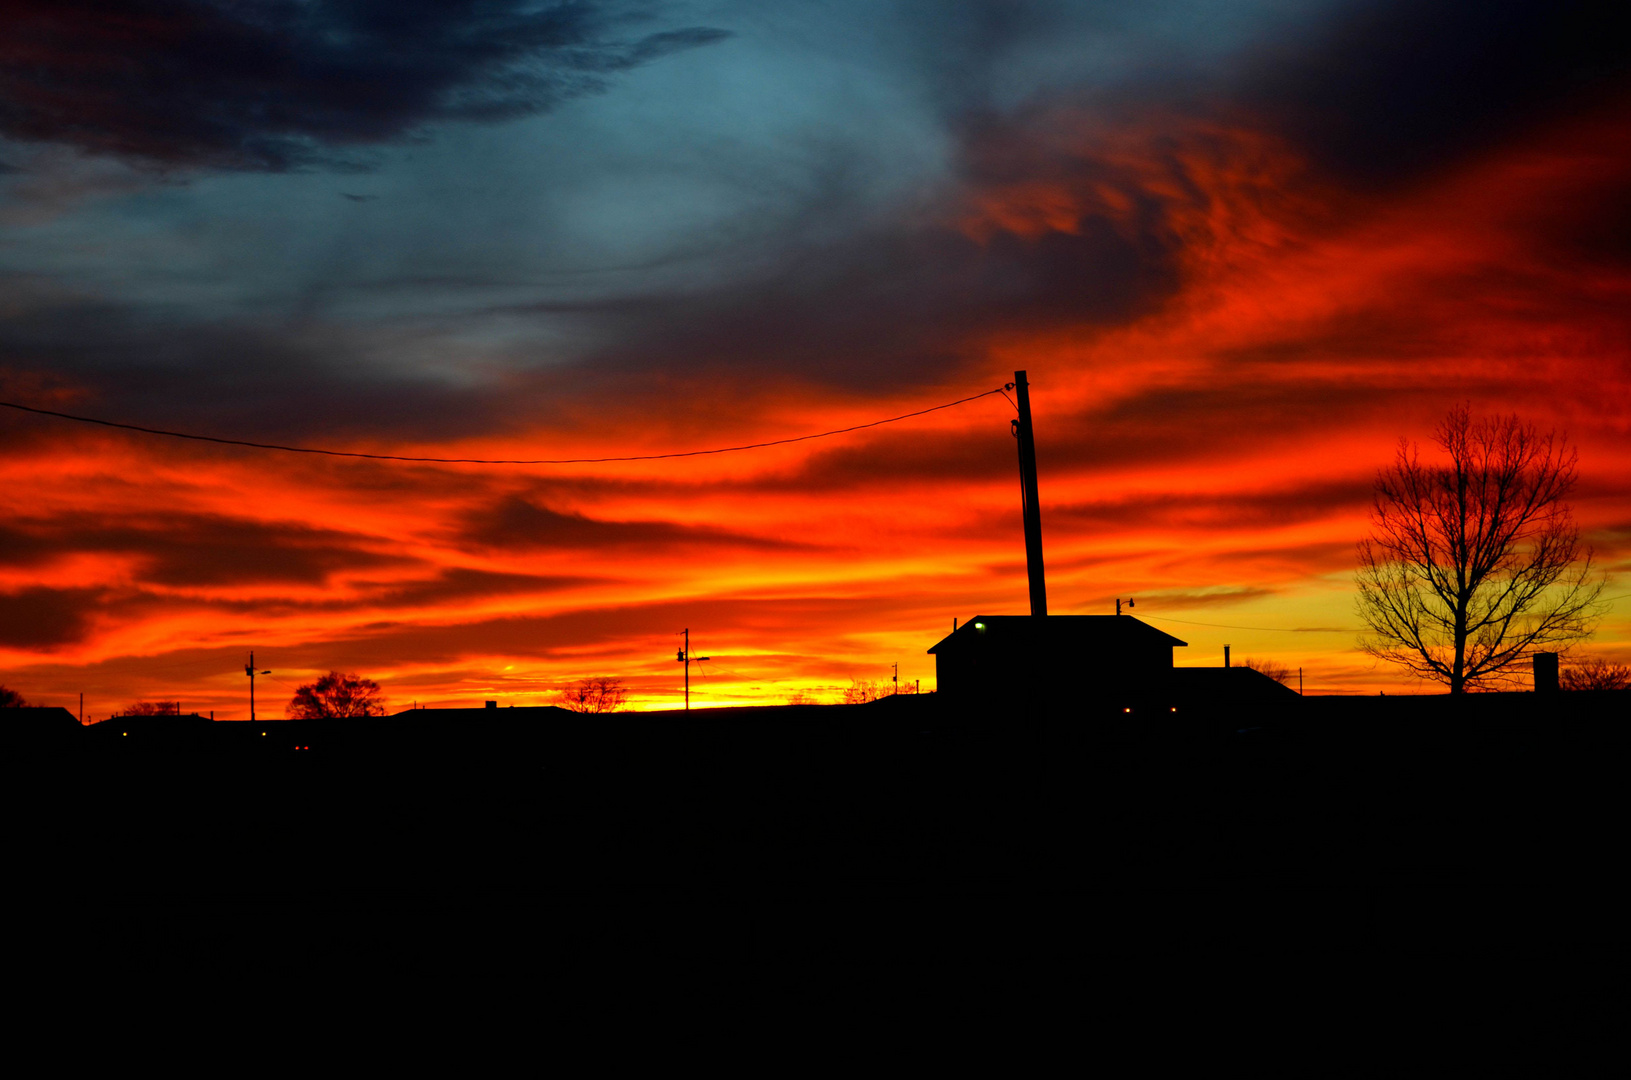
{"type": "Point", "coordinates": [898, 834]}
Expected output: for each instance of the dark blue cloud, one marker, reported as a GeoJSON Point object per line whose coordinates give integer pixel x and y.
{"type": "Point", "coordinates": [789, 209]}
{"type": "Point", "coordinates": [290, 83]}
{"type": "Point", "coordinates": [1390, 89]}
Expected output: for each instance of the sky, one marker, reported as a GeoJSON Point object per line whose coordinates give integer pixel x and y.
{"type": "Point", "coordinates": [1241, 251]}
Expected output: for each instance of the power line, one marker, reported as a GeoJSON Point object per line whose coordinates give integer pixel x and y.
{"type": "Point", "coordinates": [1293, 629]}
{"type": "Point", "coordinates": [491, 461]}
{"type": "Point", "coordinates": [1266, 629]}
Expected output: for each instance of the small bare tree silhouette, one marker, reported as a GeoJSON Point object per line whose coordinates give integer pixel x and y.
{"type": "Point", "coordinates": [593, 696]}
{"type": "Point", "coordinates": [1595, 673]}
{"type": "Point", "coordinates": [337, 695]}
{"type": "Point", "coordinates": [152, 708]}
{"type": "Point", "coordinates": [861, 691]}
{"type": "Point", "coordinates": [1275, 670]}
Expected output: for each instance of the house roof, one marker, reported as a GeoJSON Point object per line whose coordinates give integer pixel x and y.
{"type": "Point", "coordinates": [37, 717]}
{"type": "Point", "coordinates": [1231, 683]}
{"type": "Point", "coordinates": [1084, 631]}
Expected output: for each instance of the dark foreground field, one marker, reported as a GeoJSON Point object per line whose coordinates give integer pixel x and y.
{"type": "Point", "coordinates": [895, 835]}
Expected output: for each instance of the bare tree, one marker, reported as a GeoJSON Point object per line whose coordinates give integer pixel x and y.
{"type": "Point", "coordinates": [594, 696]}
{"type": "Point", "coordinates": [1473, 564]}
{"type": "Point", "coordinates": [860, 691]}
{"type": "Point", "coordinates": [336, 695]}
{"type": "Point", "coordinates": [152, 708]}
{"type": "Point", "coordinates": [1275, 670]}
{"type": "Point", "coordinates": [11, 699]}
{"type": "Point", "coordinates": [1595, 673]}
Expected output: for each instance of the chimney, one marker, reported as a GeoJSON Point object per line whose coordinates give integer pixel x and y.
{"type": "Point", "coordinates": [492, 704]}
{"type": "Point", "coordinates": [1546, 673]}
{"type": "Point", "coordinates": [1226, 656]}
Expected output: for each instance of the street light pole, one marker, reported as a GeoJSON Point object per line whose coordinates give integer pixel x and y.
{"type": "Point", "coordinates": [1027, 483]}
{"type": "Point", "coordinates": [249, 669]}
{"type": "Point", "coordinates": [684, 657]}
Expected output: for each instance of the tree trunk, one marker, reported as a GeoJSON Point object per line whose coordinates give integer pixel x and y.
{"type": "Point", "coordinates": [1458, 682]}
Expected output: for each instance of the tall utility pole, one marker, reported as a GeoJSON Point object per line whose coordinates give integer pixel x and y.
{"type": "Point", "coordinates": [1027, 485]}
{"type": "Point", "coordinates": [249, 669]}
{"type": "Point", "coordinates": [685, 658]}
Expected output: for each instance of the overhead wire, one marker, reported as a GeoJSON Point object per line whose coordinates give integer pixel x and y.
{"type": "Point", "coordinates": [1298, 629]}
{"type": "Point", "coordinates": [1265, 629]}
{"type": "Point", "coordinates": [493, 461]}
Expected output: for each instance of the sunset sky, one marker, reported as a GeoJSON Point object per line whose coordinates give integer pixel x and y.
{"type": "Point", "coordinates": [1242, 249]}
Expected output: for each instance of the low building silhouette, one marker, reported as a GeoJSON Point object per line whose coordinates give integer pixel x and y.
{"type": "Point", "coordinates": [1226, 685]}
{"type": "Point", "coordinates": [152, 730]}
{"type": "Point", "coordinates": [488, 714]}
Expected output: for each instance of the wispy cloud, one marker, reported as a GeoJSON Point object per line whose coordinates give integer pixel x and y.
{"type": "Point", "coordinates": [193, 83]}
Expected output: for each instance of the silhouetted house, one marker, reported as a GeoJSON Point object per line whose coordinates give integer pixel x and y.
{"type": "Point", "coordinates": [1026, 661]}
{"type": "Point", "coordinates": [33, 726]}
{"type": "Point", "coordinates": [1067, 664]}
